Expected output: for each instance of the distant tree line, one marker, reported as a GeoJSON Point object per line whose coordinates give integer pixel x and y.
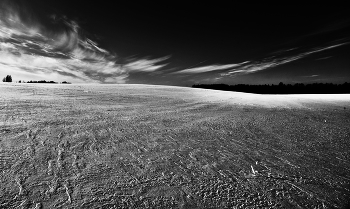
{"type": "Point", "coordinates": [42, 81]}
{"type": "Point", "coordinates": [281, 88]}
{"type": "Point", "coordinates": [8, 78]}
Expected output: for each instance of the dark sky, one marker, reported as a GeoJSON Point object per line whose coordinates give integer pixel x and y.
{"type": "Point", "coordinates": [175, 43]}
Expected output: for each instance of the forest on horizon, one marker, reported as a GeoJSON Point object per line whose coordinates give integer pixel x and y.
{"type": "Point", "coordinates": [281, 88]}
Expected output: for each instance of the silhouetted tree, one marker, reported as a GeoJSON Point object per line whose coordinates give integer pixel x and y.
{"type": "Point", "coordinates": [8, 78]}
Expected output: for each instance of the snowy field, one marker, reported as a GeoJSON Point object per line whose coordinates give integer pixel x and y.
{"type": "Point", "coordinates": [144, 146]}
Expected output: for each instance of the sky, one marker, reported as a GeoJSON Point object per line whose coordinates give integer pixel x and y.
{"type": "Point", "coordinates": [174, 43]}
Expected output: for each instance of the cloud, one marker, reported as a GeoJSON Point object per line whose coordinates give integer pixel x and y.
{"type": "Point", "coordinates": [146, 65]}
{"type": "Point", "coordinates": [11, 23]}
{"type": "Point", "coordinates": [59, 47]}
{"type": "Point", "coordinates": [279, 58]}
{"type": "Point", "coordinates": [256, 66]}
{"type": "Point", "coordinates": [209, 68]}
{"type": "Point", "coordinates": [310, 76]}
{"type": "Point", "coordinates": [323, 58]}
{"type": "Point", "coordinates": [320, 49]}
{"type": "Point", "coordinates": [274, 61]}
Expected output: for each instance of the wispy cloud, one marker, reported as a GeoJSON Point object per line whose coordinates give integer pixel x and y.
{"type": "Point", "coordinates": [278, 58]}
{"type": "Point", "coordinates": [146, 65]}
{"type": "Point", "coordinates": [63, 49]}
{"type": "Point", "coordinates": [310, 76]}
{"type": "Point", "coordinates": [210, 68]}
{"type": "Point", "coordinates": [323, 58]}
